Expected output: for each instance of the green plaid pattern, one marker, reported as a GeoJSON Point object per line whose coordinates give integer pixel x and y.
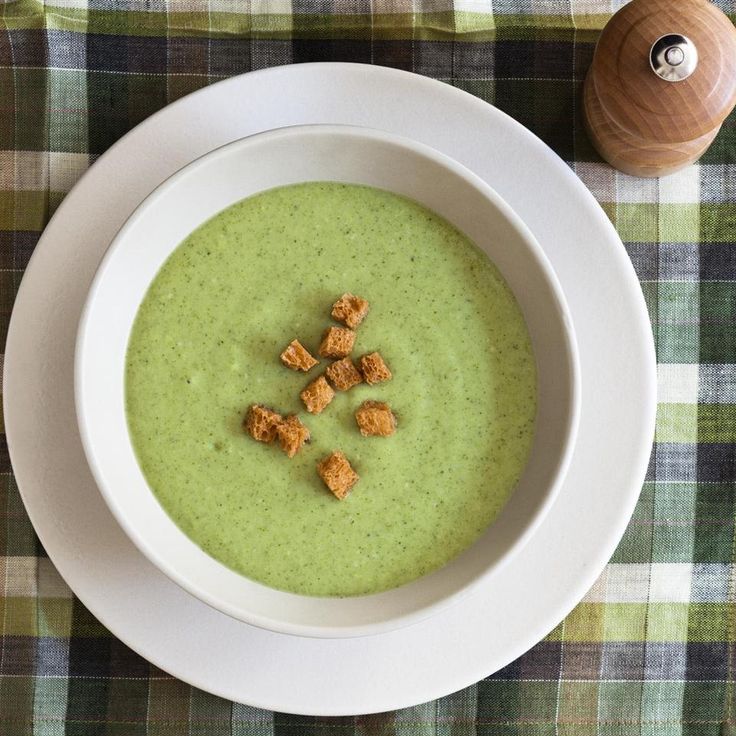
{"type": "Point", "coordinates": [651, 650]}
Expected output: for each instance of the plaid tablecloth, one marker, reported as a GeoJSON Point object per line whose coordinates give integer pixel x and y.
{"type": "Point", "coordinates": [652, 648]}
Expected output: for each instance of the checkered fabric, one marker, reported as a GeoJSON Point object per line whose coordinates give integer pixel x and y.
{"type": "Point", "coordinates": [651, 650]}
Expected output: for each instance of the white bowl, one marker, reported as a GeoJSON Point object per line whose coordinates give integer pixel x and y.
{"type": "Point", "coordinates": [241, 169]}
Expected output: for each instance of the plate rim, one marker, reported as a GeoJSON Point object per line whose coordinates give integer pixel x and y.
{"type": "Point", "coordinates": [584, 579]}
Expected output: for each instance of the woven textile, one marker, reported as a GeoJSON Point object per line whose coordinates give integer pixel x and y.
{"type": "Point", "coordinates": [651, 650]}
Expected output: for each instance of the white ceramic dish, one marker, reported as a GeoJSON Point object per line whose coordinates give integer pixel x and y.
{"type": "Point", "coordinates": [241, 169]}
{"type": "Point", "coordinates": [459, 645]}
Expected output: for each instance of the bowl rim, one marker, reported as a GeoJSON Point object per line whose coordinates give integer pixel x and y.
{"type": "Point", "coordinates": [528, 527]}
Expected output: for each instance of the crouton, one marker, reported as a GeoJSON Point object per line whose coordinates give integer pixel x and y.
{"type": "Point", "coordinates": [337, 342]}
{"type": "Point", "coordinates": [337, 473]}
{"type": "Point", "coordinates": [343, 374]}
{"type": "Point", "coordinates": [317, 395]}
{"type": "Point", "coordinates": [297, 357]}
{"type": "Point", "coordinates": [292, 435]}
{"type": "Point", "coordinates": [375, 419]}
{"type": "Point", "coordinates": [261, 423]}
{"type": "Point", "coordinates": [350, 310]}
{"type": "Point", "coordinates": [373, 368]}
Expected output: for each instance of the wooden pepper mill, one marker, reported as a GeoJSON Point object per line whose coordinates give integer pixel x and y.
{"type": "Point", "coordinates": [662, 81]}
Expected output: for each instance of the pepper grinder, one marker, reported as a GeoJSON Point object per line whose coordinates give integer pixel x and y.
{"type": "Point", "coordinates": [662, 81]}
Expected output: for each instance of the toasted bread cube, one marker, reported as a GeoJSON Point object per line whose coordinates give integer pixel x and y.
{"type": "Point", "coordinates": [337, 473]}
{"type": "Point", "coordinates": [343, 374]}
{"type": "Point", "coordinates": [261, 423]}
{"type": "Point", "coordinates": [375, 419]}
{"type": "Point", "coordinates": [297, 357]}
{"type": "Point", "coordinates": [350, 310]}
{"type": "Point", "coordinates": [317, 395]}
{"type": "Point", "coordinates": [292, 435]}
{"type": "Point", "coordinates": [374, 369]}
{"type": "Point", "coordinates": [337, 342]}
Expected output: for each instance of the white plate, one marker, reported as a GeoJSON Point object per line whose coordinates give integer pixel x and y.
{"type": "Point", "coordinates": [521, 602]}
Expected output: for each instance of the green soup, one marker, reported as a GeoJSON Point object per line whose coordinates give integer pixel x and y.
{"type": "Point", "coordinates": [205, 346]}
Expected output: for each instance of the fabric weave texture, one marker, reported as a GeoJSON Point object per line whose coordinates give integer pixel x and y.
{"type": "Point", "coordinates": [651, 650]}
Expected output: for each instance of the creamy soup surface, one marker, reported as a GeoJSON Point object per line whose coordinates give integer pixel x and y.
{"type": "Point", "coordinates": [205, 346]}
